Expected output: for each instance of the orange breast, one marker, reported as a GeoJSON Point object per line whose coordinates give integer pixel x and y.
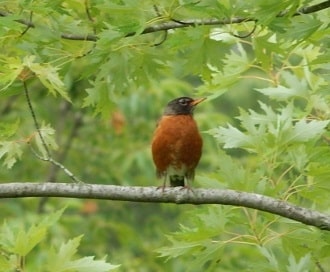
{"type": "Point", "coordinates": [176, 143]}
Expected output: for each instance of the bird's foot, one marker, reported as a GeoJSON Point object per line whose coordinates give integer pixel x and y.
{"type": "Point", "coordinates": [188, 188]}
{"type": "Point", "coordinates": [161, 187]}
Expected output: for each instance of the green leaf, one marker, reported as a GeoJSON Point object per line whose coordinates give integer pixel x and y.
{"type": "Point", "coordinates": [15, 239]}
{"type": "Point", "coordinates": [324, 57]}
{"type": "Point", "coordinates": [5, 264]}
{"type": "Point", "coordinates": [264, 46]}
{"type": "Point", "coordinates": [98, 96]}
{"type": "Point", "coordinates": [268, 10]}
{"type": "Point", "coordinates": [9, 129]}
{"type": "Point", "coordinates": [69, 249]}
{"type": "Point", "coordinates": [108, 36]}
{"type": "Point", "coordinates": [279, 92]}
{"type": "Point", "coordinates": [178, 248]}
{"type": "Point", "coordinates": [209, 219]}
{"type": "Point", "coordinates": [299, 156]}
{"type": "Point", "coordinates": [228, 166]}
{"type": "Point", "coordinates": [270, 256]}
{"type": "Point", "coordinates": [88, 264]}
{"type": "Point", "coordinates": [195, 241]}
{"type": "Point", "coordinates": [51, 218]}
{"type": "Point", "coordinates": [48, 76]}
{"type": "Point", "coordinates": [47, 134]}
{"type": "Point", "coordinates": [269, 129]}
{"type": "Point", "coordinates": [10, 69]}
{"type": "Point", "coordinates": [304, 130]}
{"type": "Point", "coordinates": [296, 87]}
{"type": "Point", "coordinates": [27, 240]}
{"type": "Point", "coordinates": [231, 137]}
{"type": "Point", "coordinates": [303, 264]}
{"type": "Point", "coordinates": [302, 27]}
{"type": "Point", "coordinates": [62, 260]}
{"type": "Point", "coordinates": [10, 151]}
{"type": "Point", "coordinates": [236, 62]}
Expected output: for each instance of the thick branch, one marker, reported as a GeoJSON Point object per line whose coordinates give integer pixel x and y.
{"type": "Point", "coordinates": [165, 26]}
{"type": "Point", "coordinates": [170, 195]}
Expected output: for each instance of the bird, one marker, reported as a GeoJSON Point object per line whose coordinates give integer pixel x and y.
{"type": "Point", "coordinates": [177, 144]}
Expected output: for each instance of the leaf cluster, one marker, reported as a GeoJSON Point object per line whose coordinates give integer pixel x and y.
{"type": "Point", "coordinates": [23, 249]}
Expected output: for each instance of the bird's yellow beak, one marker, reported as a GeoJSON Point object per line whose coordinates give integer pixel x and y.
{"type": "Point", "coordinates": [197, 101]}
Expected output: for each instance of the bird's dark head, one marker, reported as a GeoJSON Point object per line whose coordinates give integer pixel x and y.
{"type": "Point", "coordinates": [182, 106]}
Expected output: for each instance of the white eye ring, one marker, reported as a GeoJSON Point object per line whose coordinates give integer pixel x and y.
{"type": "Point", "coordinates": [183, 102]}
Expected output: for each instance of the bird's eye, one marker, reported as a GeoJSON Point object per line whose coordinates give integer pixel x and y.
{"type": "Point", "coordinates": [183, 102]}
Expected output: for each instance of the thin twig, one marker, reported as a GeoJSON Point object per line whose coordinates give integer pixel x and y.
{"type": "Point", "coordinates": [89, 15]}
{"type": "Point", "coordinates": [156, 9]}
{"type": "Point", "coordinates": [61, 157]}
{"type": "Point", "coordinates": [36, 124]}
{"type": "Point", "coordinates": [67, 145]}
{"type": "Point", "coordinates": [162, 40]}
{"type": "Point", "coordinates": [319, 266]}
{"type": "Point", "coordinates": [90, 18]}
{"type": "Point", "coordinates": [48, 154]}
{"type": "Point", "coordinates": [246, 35]}
{"type": "Point", "coordinates": [56, 163]}
{"type": "Point", "coordinates": [28, 26]}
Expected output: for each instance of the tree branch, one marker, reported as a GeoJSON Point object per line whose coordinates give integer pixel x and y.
{"type": "Point", "coordinates": [170, 195]}
{"type": "Point", "coordinates": [186, 23]}
{"type": "Point", "coordinates": [28, 23]}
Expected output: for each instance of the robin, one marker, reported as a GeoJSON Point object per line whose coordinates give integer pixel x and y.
{"type": "Point", "coordinates": [177, 145]}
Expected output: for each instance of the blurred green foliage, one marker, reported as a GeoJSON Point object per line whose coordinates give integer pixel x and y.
{"type": "Point", "coordinates": [265, 127]}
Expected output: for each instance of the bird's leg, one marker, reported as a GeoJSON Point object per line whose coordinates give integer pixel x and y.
{"type": "Point", "coordinates": [164, 183]}
{"type": "Point", "coordinates": [188, 186]}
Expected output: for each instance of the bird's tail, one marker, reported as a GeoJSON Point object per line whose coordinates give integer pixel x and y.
{"type": "Point", "coordinates": [176, 181]}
